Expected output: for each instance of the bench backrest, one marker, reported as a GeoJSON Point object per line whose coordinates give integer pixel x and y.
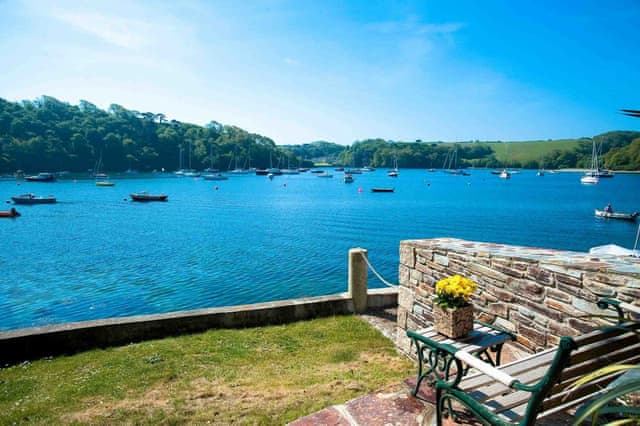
{"type": "Point", "coordinates": [619, 344]}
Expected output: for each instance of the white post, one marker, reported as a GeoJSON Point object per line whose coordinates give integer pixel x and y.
{"type": "Point", "coordinates": [358, 279]}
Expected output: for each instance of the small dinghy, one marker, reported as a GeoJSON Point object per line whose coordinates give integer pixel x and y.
{"type": "Point", "coordinates": [145, 196]}
{"type": "Point", "coordinates": [9, 213]}
{"type": "Point", "coordinates": [617, 215]}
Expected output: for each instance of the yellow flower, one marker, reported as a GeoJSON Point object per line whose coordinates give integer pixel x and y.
{"type": "Point", "coordinates": [454, 291]}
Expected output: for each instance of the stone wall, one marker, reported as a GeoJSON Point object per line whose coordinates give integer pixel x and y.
{"type": "Point", "coordinates": [539, 294]}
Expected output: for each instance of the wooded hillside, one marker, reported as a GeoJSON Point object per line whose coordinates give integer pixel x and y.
{"type": "Point", "coordinates": [47, 134]}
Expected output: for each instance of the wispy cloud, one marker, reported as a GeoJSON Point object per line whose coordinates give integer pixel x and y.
{"type": "Point", "coordinates": [127, 33]}
{"type": "Point", "coordinates": [411, 26]}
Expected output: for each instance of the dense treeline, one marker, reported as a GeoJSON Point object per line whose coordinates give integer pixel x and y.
{"type": "Point", "coordinates": [47, 134]}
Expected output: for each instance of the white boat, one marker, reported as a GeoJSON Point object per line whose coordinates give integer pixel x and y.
{"type": "Point", "coordinates": [348, 178]}
{"type": "Point", "coordinates": [324, 175]}
{"type": "Point", "coordinates": [505, 174]}
{"type": "Point", "coordinates": [290, 171]}
{"type": "Point", "coordinates": [591, 177]}
{"type": "Point", "coordinates": [588, 179]}
{"type": "Point", "coordinates": [214, 176]}
{"type": "Point", "coordinates": [617, 215]}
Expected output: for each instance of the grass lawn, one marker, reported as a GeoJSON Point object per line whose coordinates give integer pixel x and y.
{"type": "Point", "coordinates": [266, 375]}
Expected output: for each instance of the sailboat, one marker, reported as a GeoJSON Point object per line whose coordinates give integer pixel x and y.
{"type": "Point", "coordinates": [591, 177]}
{"type": "Point", "coordinates": [394, 172]}
{"type": "Point", "coordinates": [236, 170]}
{"type": "Point", "coordinates": [101, 178]}
{"type": "Point", "coordinates": [602, 173]}
{"type": "Point", "coordinates": [450, 165]}
{"type": "Point", "coordinates": [190, 172]}
{"type": "Point", "coordinates": [541, 169]}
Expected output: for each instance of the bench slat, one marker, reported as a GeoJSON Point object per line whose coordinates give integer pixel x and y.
{"type": "Point", "coordinates": [514, 368]}
{"type": "Point", "coordinates": [612, 357]}
{"type": "Point", "coordinates": [603, 346]}
{"type": "Point", "coordinates": [514, 405]}
{"type": "Point", "coordinates": [599, 334]}
{"type": "Point", "coordinates": [475, 342]}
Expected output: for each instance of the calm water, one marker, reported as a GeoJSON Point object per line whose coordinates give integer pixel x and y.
{"type": "Point", "coordinates": [95, 255]}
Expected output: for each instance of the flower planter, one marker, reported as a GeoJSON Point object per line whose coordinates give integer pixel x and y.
{"type": "Point", "coordinates": [453, 322]}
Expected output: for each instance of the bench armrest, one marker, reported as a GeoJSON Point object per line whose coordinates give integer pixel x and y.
{"type": "Point", "coordinates": [485, 368]}
{"type": "Point", "coordinates": [619, 306]}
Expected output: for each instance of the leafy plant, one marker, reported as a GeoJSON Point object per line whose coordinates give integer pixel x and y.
{"type": "Point", "coordinates": [614, 400]}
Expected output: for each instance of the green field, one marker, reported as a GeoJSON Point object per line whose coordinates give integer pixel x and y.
{"type": "Point", "coordinates": [525, 151]}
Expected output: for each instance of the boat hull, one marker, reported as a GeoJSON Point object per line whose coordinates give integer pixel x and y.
{"type": "Point", "coordinates": [215, 177]}
{"type": "Point", "coordinates": [590, 180]}
{"type": "Point", "coordinates": [9, 213]}
{"type": "Point", "coordinates": [31, 199]}
{"type": "Point", "coordinates": [617, 215]}
{"type": "Point", "coordinates": [41, 177]}
{"type": "Point", "coordinates": [383, 189]}
{"type": "Point", "coordinates": [148, 197]}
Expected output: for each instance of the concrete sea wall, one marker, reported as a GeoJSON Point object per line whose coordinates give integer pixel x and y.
{"type": "Point", "coordinates": [539, 294]}
{"type": "Point", "coordinates": [33, 343]}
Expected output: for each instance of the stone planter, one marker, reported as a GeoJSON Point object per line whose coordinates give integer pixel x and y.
{"type": "Point", "coordinates": [453, 323]}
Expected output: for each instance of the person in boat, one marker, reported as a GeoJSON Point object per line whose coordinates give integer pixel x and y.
{"type": "Point", "coordinates": [608, 209]}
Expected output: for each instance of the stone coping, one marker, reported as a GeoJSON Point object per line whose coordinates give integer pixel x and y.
{"type": "Point", "coordinates": [624, 265]}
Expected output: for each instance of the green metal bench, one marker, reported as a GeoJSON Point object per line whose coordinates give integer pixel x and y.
{"type": "Point", "coordinates": [537, 386]}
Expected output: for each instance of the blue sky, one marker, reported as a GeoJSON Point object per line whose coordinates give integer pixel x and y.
{"type": "Point", "coordinates": [299, 71]}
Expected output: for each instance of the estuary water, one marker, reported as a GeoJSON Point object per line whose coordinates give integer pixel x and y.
{"type": "Point", "coordinates": [95, 254]}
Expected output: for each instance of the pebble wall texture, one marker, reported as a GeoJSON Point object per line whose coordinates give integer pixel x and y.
{"type": "Point", "coordinates": [538, 294]}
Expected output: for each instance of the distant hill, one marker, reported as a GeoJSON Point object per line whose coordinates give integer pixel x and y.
{"type": "Point", "coordinates": [50, 135]}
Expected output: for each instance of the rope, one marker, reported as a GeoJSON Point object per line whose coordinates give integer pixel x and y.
{"type": "Point", "coordinates": [635, 246]}
{"type": "Point", "coordinates": [385, 282]}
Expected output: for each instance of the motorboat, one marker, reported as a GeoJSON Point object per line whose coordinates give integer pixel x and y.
{"type": "Point", "coordinates": [104, 183]}
{"type": "Point", "coordinates": [9, 213]}
{"type": "Point", "coordinates": [41, 177]}
{"type": "Point", "coordinates": [324, 175]}
{"type": "Point", "coordinates": [33, 199]}
{"type": "Point", "coordinates": [617, 215]}
{"type": "Point", "coordinates": [348, 178]}
{"type": "Point", "coordinates": [383, 189]}
{"type": "Point", "coordinates": [505, 174]}
{"type": "Point", "coordinates": [215, 176]}
{"type": "Point", "coordinates": [145, 196]}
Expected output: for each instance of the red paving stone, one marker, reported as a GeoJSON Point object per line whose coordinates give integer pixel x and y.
{"type": "Point", "coordinates": [326, 417]}
{"type": "Point", "coordinates": [383, 409]}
